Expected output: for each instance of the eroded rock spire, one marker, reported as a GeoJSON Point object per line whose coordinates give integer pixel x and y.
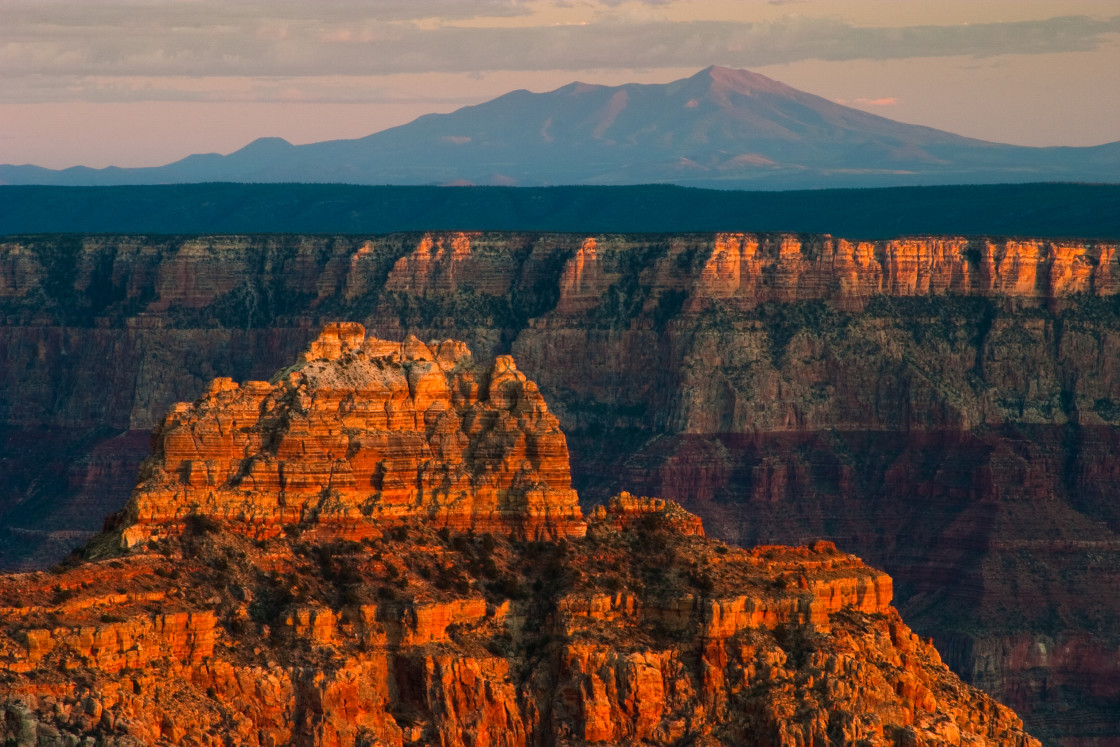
{"type": "Point", "coordinates": [359, 435]}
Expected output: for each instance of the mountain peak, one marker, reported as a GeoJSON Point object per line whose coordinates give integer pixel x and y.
{"type": "Point", "coordinates": [740, 81]}
{"type": "Point", "coordinates": [721, 127]}
{"type": "Point", "coordinates": [262, 144]}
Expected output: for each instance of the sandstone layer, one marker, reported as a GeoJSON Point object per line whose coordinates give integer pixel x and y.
{"type": "Point", "coordinates": [946, 407]}
{"type": "Point", "coordinates": [626, 636]}
{"type": "Point", "coordinates": [360, 434]}
{"type": "Point", "coordinates": [261, 588]}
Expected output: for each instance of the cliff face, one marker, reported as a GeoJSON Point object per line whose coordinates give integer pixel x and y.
{"type": "Point", "coordinates": [945, 407]}
{"type": "Point", "coordinates": [363, 430]}
{"type": "Point", "coordinates": [416, 640]}
{"type": "Point", "coordinates": [109, 332]}
{"type": "Point", "coordinates": [193, 620]}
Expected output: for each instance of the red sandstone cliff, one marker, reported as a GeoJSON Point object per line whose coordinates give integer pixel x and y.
{"type": "Point", "coordinates": [363, 433]}
{"type": "Point", "coordinates": [231, 602]}
{"type": "Point", "coordinates": [209, 637]}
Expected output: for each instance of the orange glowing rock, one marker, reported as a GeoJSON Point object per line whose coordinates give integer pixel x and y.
{"type": "Point", "coordinates": [361, 434]}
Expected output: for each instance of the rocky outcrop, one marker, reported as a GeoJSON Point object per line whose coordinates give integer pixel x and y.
{"type": "Point", "coordinates": [783, 645]}
{"type": "Point", "coordinates": [939, 405]}
{"type": "Point", "coordinates": [232, 599]}
{"type": "Point", "coordinates": [754, 269]}
{"type": "Point", "coordinates": [362, 434]}
{"type": "Point", "coordinates": [624, 510]}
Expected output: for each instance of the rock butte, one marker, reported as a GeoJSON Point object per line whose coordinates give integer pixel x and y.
{"type": "Point", "coordinates": [363, 433]}
{"type": "Point", "coordinates": [230, 602]}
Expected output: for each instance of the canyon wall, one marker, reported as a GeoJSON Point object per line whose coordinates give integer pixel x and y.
{"type": "Point", "coordinates": [945, 407]}
{"type": "Point", "coordinates": [292, 570]}
{"type": "Point", "coordinates": [636, 632]}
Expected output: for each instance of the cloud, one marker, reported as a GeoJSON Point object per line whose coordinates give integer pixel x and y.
{"type": "Point", "coordinates": [884, 101]}
{"type": "Point", "coordinates": [88, 13]}
{"type": "Point", "coordinates": [65, 46]}
{"type": "Point", "coordinates": [345, 89]}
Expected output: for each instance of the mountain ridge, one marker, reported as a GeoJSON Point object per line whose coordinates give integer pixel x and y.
{"type": "Point", "coordinates": [720, 127]}
{"type": "Point", "coordinates": [1040, 210]}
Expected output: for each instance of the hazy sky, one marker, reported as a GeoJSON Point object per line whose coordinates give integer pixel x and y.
{"type": "Point", "coordinates": [145, 82]}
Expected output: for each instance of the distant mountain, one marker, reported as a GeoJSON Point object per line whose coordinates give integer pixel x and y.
{"type": "Point", "coordinates": [719, 128]}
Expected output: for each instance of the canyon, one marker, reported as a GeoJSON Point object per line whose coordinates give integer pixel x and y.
{"type": "Point", "coordinates": [944, 407]}
{"type": "Point", "coordinates": [380, 545]}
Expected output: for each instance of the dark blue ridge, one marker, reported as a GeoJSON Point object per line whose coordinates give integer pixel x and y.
{"type": "Point", "coordinates": [1041, 210]}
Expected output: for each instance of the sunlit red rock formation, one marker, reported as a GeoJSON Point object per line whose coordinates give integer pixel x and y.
{"type": "Point", "coordinates": [358, 435]}
{"type": "Point", "coordinates": [231, 602]}
{"type": "Point", "coordinates": [425, 637]}
{"type": "Point", "coordinates": [755, 269]}
{"type": "Point", "coordinates": [624, 510]}
{"type": "Point", "coordinates": [364, 672]}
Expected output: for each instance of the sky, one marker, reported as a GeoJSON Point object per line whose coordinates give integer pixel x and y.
{"type": "Point", "coordinates": [146, 82]}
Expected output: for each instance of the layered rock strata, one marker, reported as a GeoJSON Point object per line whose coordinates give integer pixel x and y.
{"type": "Point", "coordinates": [361, 434]}
{"type": "Point", "coordinates": [639, 635]}
{"type": "Point", "coordinates": [946, 407]}
{"type": "Point", "coordinates": [232, 601]}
